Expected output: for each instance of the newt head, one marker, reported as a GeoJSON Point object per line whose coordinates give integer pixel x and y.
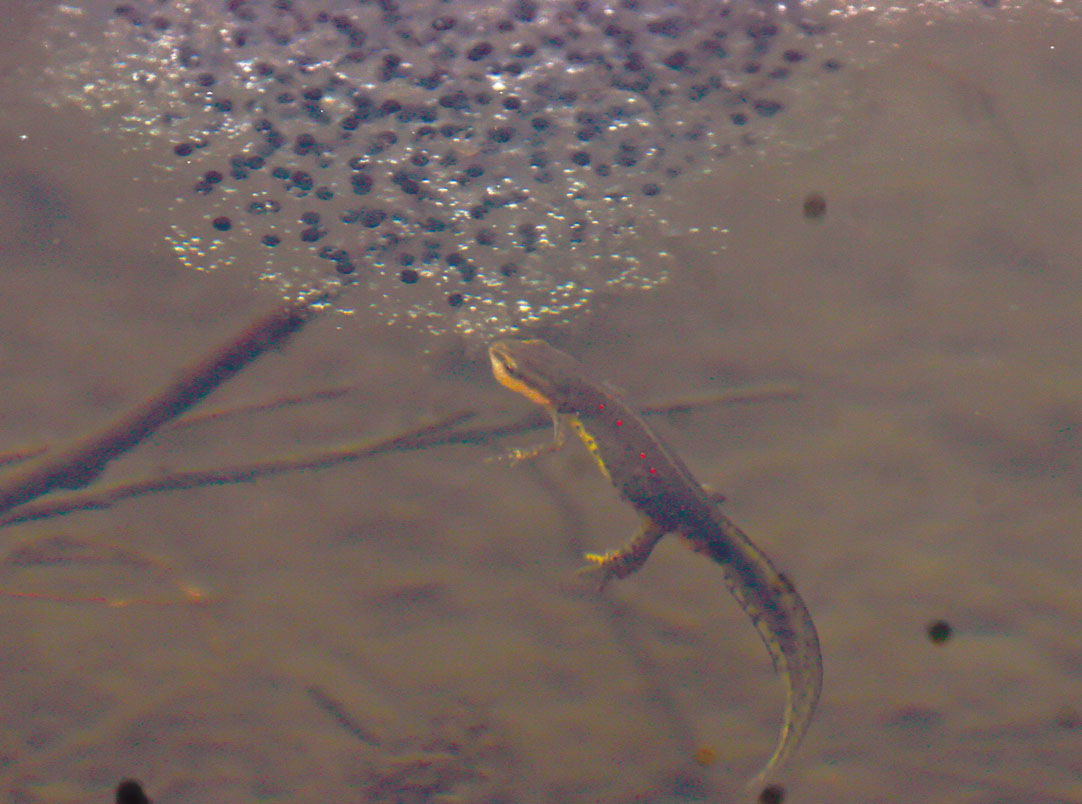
{"type": "Point", "coordinates": [526, 368]}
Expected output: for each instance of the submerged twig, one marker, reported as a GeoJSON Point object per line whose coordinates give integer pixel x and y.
{"type": "Point", "coordinates": [757, 393]}
{"type": "Point", "coordinates": [79, 463]}
{"type": "Point", "coordinates": [733, 396]}
{"type": "Point", "coordinates": [49, 550]}
{"type": "Point", "coordinates": [442, 432]}
{"type": "Point", "coordinates": [216, 415]}
{"type": "Point", "coordinates": [278, 403]}
{"type": "Point", "coordinates": [106, 497]}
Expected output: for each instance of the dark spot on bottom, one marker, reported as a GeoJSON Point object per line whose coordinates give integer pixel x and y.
{"type": "Point", "coordinates": [455, 299]}
{"type": "Point", "coordinates": [815, 206]}
{"type": "Point", "coordinates": [130, 791]}
{"type": "Point", "coordinates": [409, 276]}
{"type": "Point", "coordinates": [939, 631]}
{"type": "Point", "coordinates": [222, 224]}
{"type": "Point", "coordinates": [772, 794]}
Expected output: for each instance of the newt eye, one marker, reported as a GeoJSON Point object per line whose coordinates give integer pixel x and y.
{"type": "Point", "coordinates": [502, 362]}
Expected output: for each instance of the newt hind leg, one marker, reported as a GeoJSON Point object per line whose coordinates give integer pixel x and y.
{"type": "Point", "coordinates": [626, 560]}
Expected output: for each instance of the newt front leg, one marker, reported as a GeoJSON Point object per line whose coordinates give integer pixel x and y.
{"type": "Point", "coordinates": [559, 438]}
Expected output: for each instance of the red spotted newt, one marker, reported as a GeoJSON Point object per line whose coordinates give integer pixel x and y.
{"type": "Point", "coordinates": [650, 476]}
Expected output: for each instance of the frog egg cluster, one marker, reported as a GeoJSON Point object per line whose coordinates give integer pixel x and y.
{"type": "Point", "coordinates": [470, 165]}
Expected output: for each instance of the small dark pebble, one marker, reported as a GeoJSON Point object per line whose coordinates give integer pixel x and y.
{"type": "Point", "coordinates": [815, 206]}
{"type": "Point", "coordinates": [772, 794]}
{"type": "Point", "coordinates": [939, 631]}
{"type": "Point", "coordinates": [130, 791]}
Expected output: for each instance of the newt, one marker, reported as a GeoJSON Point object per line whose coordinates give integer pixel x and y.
{"type": "Point", "coordinates": [650, 476]}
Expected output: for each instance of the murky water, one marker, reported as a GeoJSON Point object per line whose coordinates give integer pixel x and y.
{"type": "Point", "coordinates": [409, 627]}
